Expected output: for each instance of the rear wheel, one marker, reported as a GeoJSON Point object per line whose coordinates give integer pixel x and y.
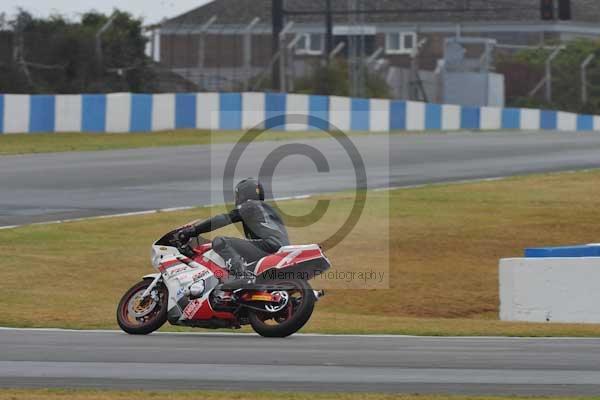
{"type": "Point", "coordinates": [138, 316]}
{"type": "Point", "coordinates": [289, 320]}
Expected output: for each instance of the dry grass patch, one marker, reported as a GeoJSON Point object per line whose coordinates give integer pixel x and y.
{"type": "Point", "coordinates": [442, 252]}
{"type": "Point", "coordinates": [64, 142]}
{"type": "Point", "coordinates": [49, 394]}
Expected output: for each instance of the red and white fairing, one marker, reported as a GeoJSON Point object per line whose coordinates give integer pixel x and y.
{"type": "Point", "coordinates": [179, 272]}
{"type": "Point", "coordinates": [289, 256]}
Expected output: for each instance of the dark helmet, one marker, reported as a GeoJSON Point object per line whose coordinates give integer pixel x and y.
{"type": "Point", "coordinates": [249, 189]}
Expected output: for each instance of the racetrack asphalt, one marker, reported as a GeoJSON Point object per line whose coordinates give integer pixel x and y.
{"type": "Point", "coordinates": [483, 366]}
{"type": "Point", "coordinates": [47, 187]}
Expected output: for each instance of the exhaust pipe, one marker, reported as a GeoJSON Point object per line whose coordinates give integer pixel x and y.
{"type": "Point", "coordinates": [319, 294]}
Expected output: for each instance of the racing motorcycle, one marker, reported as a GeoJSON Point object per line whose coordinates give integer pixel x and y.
{"type": "Point", "coordinates": [277, 302]}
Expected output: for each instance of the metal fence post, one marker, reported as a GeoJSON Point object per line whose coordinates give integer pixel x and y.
{"type": "Point", "coordinates": [549, 74]}
{"type": "Point", "coordinates": [373, 57]}
{"type": "Point", "coordinates": [416, 84]}
{"type": "Point", "coordinates": [292, 49]}
{"type": "Point", "coordinates": [338, 49]}
{"type": "Point", "coordinates": [248, 52]}
{"type": "Point", "coordinates": [584, 83]}
{"type": "Point", "coordinates": [283, 56]}
{"type": "Point", "coordinates": [201, 43]}
{"type": "Point", "coordinates": [98, 41]}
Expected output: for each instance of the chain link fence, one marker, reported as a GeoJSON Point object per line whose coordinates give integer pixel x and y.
{"type": "Point", "coordinates": [523, 64]}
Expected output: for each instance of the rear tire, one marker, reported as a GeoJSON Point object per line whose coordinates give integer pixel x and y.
{"type": "Point", "coordinates": [151, 315]}
{"type": "Point", "coordinates": [300, 313]}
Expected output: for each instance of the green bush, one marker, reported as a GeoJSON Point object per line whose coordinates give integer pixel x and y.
{"type": "Point", "coordinates": [333, 80]}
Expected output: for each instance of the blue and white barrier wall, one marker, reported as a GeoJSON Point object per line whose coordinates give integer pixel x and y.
{"type": "Point", "coordinates": [127, 112]}
{"type": "Point", "coordinates": [552, 284]}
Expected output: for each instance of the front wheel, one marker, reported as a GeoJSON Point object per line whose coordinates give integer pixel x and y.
{"type": "Point", "coordinates": [138, 316]}
{"type": "Point", "coordinates": [301, 303]}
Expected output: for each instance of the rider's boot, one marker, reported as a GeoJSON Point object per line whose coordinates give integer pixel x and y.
{"type": "Point", "coordinates": [238, 274]}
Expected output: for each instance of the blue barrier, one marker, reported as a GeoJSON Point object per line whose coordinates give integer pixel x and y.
{"type": "Point", "coordinates": [318, 112]}
{"type": "Point", "coordinates": [275, 107]}
{"type": "Point", "coordinates": [185, 111]}
{"type": "Point", "coordinates": [470, 118]}
{"type": "Point", "coordinates": [230, 111]}
{"type": "Point", "coordinates": [359, 114]}
{"type": "Point", "coordinates": [585, 122]}
{"type": "Point", "coordinates": [237, 111]}
{"type": "Point", "coordinates": [42, 114]}
{"type": "Point", "coordinates": [93, 115]}
{"type": "Point", "coordinates": [141, 113]}
{"type": "Point", "coordinates": [397, 115]}
{"type": "Point", "coordinates": [511, 118]}
{"type": "Point", "coordinates": [590, 250]}
{"type": "Point", "coordinates": [549, 120]}
{"type": "Point", "coordinates": [433, 116]}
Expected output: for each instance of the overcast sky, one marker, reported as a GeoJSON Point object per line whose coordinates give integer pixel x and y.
{"type": "Point", "coordinates": [152, 10]}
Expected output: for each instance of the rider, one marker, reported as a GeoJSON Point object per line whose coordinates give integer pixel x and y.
{"type": "Point", "coordinates": [264, 230]}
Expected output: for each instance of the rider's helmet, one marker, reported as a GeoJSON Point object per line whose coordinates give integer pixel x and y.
{"type": "Point", "coordinates": [248, 189]}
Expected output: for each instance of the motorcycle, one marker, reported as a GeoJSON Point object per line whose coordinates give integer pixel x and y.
{"type": "Point", "coordinates": [277, 302]}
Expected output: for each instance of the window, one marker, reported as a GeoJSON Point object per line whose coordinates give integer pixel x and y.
{"type": "Point", "coordinates": [311, 44]}
{"type": "Point", "coordinates": [400, 42]}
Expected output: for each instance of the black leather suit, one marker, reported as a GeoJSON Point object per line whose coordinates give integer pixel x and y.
{"type": "Point", "coordinates": [264, 230]}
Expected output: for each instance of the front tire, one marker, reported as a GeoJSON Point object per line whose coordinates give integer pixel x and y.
{"type": "Point", "coordinates": [138, 317]}
{"type": "Point", "coordinates": [292, 318]}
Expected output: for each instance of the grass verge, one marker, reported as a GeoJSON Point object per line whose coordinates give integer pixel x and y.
{"type": "Point", "coordinates": [64, 142]}
{"type": "Point", "coordinates": [442, 257]}
{"type": "Point", "coordinates": [50, 394]}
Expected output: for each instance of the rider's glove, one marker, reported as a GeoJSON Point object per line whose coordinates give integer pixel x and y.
{"type": "Point", "coordinates": [185, 234]}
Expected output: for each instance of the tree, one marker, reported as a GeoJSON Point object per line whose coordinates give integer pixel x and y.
{"type": "Point", "coordinates": [56, 55]}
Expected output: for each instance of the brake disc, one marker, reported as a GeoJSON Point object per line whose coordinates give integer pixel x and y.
{"type": "Point", "coordinates": [139, 307]}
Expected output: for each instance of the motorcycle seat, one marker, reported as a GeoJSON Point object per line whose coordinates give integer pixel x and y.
{"type": "Point", "coordinates": [287, 249]}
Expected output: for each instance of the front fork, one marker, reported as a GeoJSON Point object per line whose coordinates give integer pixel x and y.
{"type": "Point", "coordinates": [150, 288]}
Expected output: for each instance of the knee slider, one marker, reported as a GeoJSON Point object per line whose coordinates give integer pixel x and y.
{"type": "Point", "coordinates": [219, 243]}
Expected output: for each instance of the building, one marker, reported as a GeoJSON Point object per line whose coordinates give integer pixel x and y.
{"type": "Point", "coordinates": [226, 44]}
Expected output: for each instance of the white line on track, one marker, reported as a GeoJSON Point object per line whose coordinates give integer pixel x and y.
{"type": "Point", "coordinates": [323, 335]}
{"type": "Point", "coordinates": [299, 197]}
{"type": "Point", "coordinates": [138, 213]}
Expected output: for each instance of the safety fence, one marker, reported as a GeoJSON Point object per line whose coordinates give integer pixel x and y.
{"type": "Point", "coordinates": [127, 112]}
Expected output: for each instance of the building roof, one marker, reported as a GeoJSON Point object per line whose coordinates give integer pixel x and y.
{"type": "Point", "coordinates": [241, 12]}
